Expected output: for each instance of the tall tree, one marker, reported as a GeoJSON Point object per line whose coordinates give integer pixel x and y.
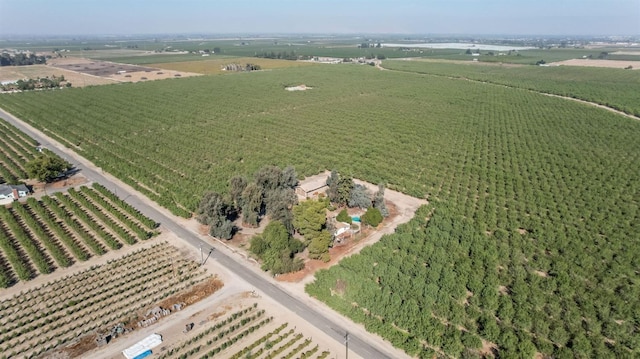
{"type": "Point", "coordinates": [276, 248]}
{"type": "Point", "coordinates": [360, 197]}
{"type": "Point", "coordinates": [279, 204]}
{"type": "Point", "coordinates": [378, 201]}
{"type": "Point", "coordinates": [309, 218]}
{"type": "Point", "coordinates": [268, 178]}
{"type": "Point", "coordinates": [237, 184]}
{"type": "Point", "coordinates": [332, 182]}
{"type": "Point", "coordinates": [289, 177]}
{"type": "Point", "coordinates": [345, 185]}
{"type": "Point", "coordinates": [319, 246]}
{"type": "Point", "coordinates": [251, 204]}
{"type": "Point", "coordinates": [47, 167]}
{"type": "Point", "coordinates": [372, 217]}
{"type": "Point", "coordinates": [214, 212]}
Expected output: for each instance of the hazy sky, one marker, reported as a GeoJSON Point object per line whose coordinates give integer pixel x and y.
{"type": "Point", "coordinates": [553, 17]}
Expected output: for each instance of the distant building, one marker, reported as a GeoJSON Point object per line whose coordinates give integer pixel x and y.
{"type": "Point", "coordinates": [13, 191]}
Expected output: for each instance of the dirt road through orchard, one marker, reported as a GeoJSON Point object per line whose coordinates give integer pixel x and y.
{"type": "Point", "coordinates": [595, 104]}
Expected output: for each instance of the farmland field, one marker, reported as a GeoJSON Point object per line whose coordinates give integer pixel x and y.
{"type": "Point", "coordinates": [39, 236]}
{"type": "Point", "coordinates": [48, 318]}
{"type": "Point", "coordinates": [536, 198]}
{"type": "Point", "coordinates": [214, 66]}
{"type": "Point", "coordinates": [617, 88]}
{"type": "Point", "coordinates": [248, 333]}
{"type": "Point", "coordinates": [14, 73]}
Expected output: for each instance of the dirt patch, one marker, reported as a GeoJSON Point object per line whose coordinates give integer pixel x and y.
{"type": "Point", "coordinates": [101, 68]}
{"type": "Point", "coordinates": [155, 74]}
{"type": "Point", "coordinates": [75, 350]}
{"type": "Point", "coordinates": [42, 188]}
{"type": "Point", "coordinates": [195, 294]}
{"type": "Point", "coordinates": [298, 88]}
{"type": "Point", "coordinates": [541, 274]}
{"type": "Point", "coordinates": [612, 64]}
{"type": "Point", "coordinates": [488, 349]}
{"type": "Point", "coordinates": [117, 71]}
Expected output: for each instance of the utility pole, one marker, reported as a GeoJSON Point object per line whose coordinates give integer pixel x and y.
{"type": "Point", "coordinates": [201, 255]}
{"type": "Point", "coordinates": [346, 345]}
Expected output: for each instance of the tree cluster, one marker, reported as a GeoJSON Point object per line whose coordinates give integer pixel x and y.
{"type": "Point", "coordinates": [216, 212]}
{"type": "Point", "coordinates": [47, 167]}
{"type": "Point", "coordinates": [344, 192]}
{"type": "Point", "coordinates": [21, 59]}
{"type": "Point", "coordinates": [276, 248]}
{"type": "Point", "coordinates": [271, 193]}
{"type": "Point", "coordinates": [310, 220]}
{"type": "Point", "coordinates": [282, 55]}
{"type": "Point", "coordinates": [38, 83]}
{"type": "Point", "coordinates": [242, 68]}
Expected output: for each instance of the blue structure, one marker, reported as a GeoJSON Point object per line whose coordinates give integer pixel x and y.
{"type": "Point", "coordinates": [143, 354]}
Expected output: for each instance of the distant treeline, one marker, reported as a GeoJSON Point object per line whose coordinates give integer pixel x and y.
{"type": "Point", "coordinates": [283, 55]}
{"type": "Point", "coordinates": [21, 59]}
{"type": "Point", "coordinates": [39, 83]}
{"type": "Point", "coordinates": [238, 67]}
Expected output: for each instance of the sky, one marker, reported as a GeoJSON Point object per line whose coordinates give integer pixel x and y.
{"type": "Point", "coordinates": [473, 17]}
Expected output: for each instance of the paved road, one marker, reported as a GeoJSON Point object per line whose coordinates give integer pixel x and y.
{"type": "Point", "coordinates": [331, 328]}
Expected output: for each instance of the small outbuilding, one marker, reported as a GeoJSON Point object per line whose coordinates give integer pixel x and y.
{"type": "Point", "coordinates": [341, 227]}
{"type": "Point", "coordinates": [312, 189]}
{"type": "Point", "coordinates": [143, 348]}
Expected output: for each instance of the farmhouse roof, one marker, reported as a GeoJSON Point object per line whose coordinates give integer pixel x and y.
{"type": "Point", "coordinates": [8, 189]}
{"type": "Point", "coordinates": [5, 190]}
{"type": "Point", "coordinates": [314, 185]}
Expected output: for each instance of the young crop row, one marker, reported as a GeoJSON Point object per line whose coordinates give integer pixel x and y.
{"type": "Point", "coordinates": [114, 268]}
{"type": "Point", "coordinates": [54, 232]}
{"type": "Point", "coordinates": [222, 336]}
{"type": "Point", "coordinates": [148, 222]}
{"type": "Point", "coordinates": [15, 150]}
{"type": "Point", "coordinates": [51, 315]}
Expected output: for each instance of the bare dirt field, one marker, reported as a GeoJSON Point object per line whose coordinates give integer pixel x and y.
{"type": "Point", "coordinates": [116, 71]}
{"type": "Point", "coordinates": [215, 66]}
{"type": "Point", "coordinates": [77, 79]}
{"type": "Point", "coordinates": [612, 64]}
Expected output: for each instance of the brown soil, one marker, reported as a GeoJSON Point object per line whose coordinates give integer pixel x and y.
{"type": "Point", "coordinates": [195, 294]}
{"type": "Point", "coordinates": [116, 72]}
{"type": "Point", "coordinates": [488, 349]}
{"type": "Point", "coordinates": [38, 188]}
{"type": "Point", "coordinates": [75, 350]}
